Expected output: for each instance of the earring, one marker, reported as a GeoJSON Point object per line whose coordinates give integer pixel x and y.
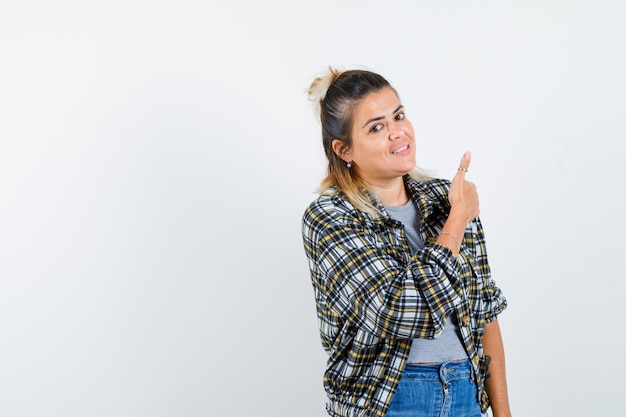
{"type": "Point", "coordinates": [349, 164]}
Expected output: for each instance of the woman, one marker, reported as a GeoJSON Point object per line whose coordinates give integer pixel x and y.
{"type": "Point", "coordinates": [406, 305]}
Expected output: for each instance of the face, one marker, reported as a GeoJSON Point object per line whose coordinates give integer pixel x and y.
{"type": "Point", "coordinates": [383, 143]}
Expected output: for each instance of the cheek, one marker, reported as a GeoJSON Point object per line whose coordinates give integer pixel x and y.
{"type": "Point", "coordinates": [367, 151]}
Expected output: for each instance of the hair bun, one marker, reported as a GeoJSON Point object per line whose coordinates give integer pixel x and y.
{"type": "Point", "coordinates": [319, 87]}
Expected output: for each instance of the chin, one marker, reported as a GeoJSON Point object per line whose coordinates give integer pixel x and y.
{"type": "Point", "coordinates": [409, 167]}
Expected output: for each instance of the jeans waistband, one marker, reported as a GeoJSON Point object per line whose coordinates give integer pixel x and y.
{"type": "Point", "coordinates": [443, 371]}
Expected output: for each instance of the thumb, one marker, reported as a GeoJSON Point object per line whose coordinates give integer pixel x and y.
{"type": "Point", "coordinates": [465, 162]}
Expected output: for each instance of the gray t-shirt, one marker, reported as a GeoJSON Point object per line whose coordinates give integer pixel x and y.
{"type": "Point", "coordinates": [447, 346]}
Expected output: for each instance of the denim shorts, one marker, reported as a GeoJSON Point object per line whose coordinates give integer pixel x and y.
{"type": "Point", "coordinates": [436, 390]}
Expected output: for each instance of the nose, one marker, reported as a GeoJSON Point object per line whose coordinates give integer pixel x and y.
{"type": "Point", "coordinates": [395, 132]}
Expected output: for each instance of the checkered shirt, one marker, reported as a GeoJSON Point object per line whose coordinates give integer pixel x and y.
{"type": "Point", "coordinates": [373, 296]}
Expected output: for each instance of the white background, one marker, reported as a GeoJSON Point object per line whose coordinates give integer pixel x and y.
{"type": "Point", "coordinates": [156, 158]}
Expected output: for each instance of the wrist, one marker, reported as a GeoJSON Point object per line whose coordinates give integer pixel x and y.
{"type": "Point", "coordinates": [460, 215]}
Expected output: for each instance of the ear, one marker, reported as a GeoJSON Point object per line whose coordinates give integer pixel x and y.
{"type": "Point", "coordinates": [341, 150]}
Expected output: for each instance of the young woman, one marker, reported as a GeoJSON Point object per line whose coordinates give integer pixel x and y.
{"type": "Point", "coordinates": [406, 305]}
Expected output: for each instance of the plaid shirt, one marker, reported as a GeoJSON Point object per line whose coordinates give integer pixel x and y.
{"type": "Point", "coordinates": [373, 297]}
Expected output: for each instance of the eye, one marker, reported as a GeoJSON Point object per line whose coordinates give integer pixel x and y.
{"type": "Point", "coordinates": [376, 128]}
{"type": "Point", "coordinates": [400, 116]}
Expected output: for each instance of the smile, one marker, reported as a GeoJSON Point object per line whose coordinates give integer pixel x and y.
{"type": "Point", "coordinates": [404, 148]}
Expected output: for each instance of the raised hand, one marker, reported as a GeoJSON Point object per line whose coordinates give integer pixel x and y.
{"type": "Point", "coordinates": [463, 196]}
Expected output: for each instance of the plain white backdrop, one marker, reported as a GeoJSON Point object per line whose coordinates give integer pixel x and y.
{"type": "Point", "coordinates": [156, 158]}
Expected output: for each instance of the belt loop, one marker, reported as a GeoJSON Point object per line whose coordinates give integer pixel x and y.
{"type": "Point", "coordinates": [472, 372]}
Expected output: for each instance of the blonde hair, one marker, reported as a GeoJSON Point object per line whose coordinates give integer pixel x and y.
{"type": "Point", "coordinates": [335, 95]}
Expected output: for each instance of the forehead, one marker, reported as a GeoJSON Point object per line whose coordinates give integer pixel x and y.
{"type": "Point", "coordinates": [377, 104]}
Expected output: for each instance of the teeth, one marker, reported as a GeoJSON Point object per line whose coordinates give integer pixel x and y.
{"type": "Point", "coordinates": [401, 149]}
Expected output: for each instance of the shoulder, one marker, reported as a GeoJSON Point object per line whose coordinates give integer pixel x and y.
{"type": "Point", "coordinates": [329, 218]}
{"type": "Point", "coordinates": [329, 207]}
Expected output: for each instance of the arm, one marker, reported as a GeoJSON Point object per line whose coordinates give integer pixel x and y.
{"type": "Point", "coordinates": [496, 381]}
{"type": "Point", "coordinates": [360, 279]}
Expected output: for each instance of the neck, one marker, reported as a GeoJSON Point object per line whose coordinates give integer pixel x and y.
{"type": "Point", "coordinates": [392, 193]}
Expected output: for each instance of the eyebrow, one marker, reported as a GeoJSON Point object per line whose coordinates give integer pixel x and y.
{"type": "Point", "coordinates": [374, 119]}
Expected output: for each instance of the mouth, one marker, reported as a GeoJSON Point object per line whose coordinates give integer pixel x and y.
{"type": "Point", "coordinates": [402, 149]}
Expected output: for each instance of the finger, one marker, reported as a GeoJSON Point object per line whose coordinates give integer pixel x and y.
{"type": "Point", "coordinates": [465, 162]}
